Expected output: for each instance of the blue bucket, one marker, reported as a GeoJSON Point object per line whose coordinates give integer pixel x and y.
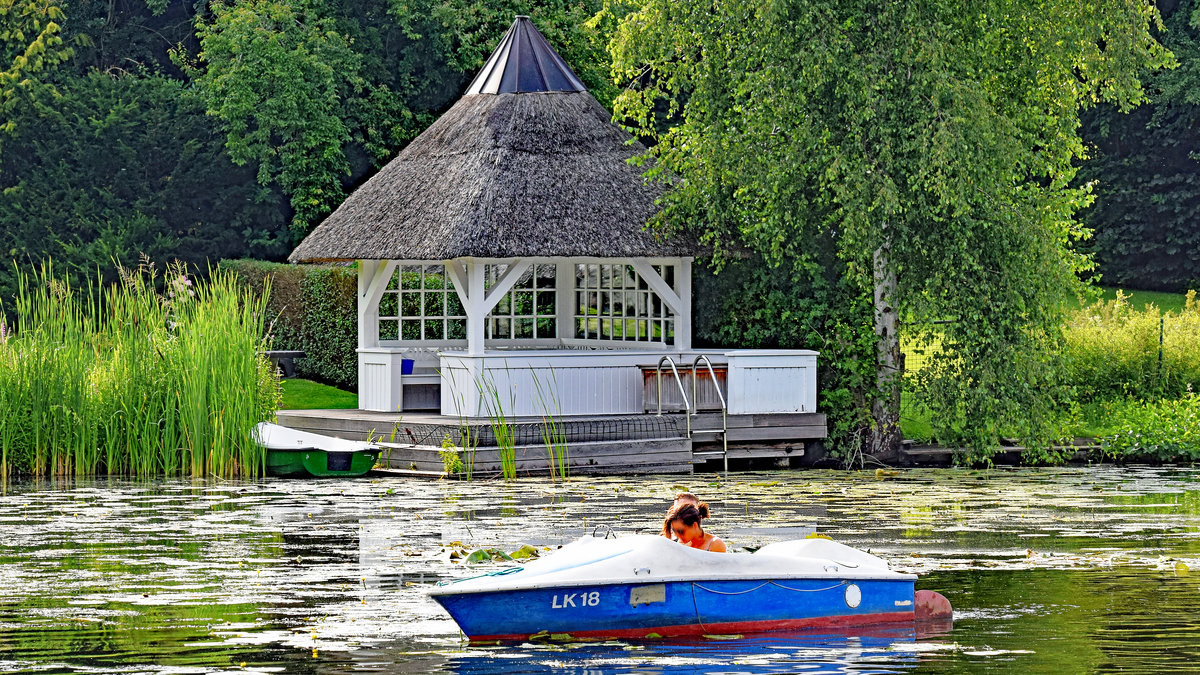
{"type": "Point", "coordinates": [406, 366]}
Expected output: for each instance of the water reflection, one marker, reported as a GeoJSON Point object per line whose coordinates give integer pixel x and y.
{"type": "Point", "coordinates": [1070, 570]}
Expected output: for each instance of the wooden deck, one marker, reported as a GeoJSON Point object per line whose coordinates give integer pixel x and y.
{"type": "Point", "coordinates": [611, 444]}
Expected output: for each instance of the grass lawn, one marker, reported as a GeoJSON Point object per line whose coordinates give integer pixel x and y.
{"type": "Point", "coordinates": [914, 421]}
{"type": "Point", "coordinates": [1167, 302]}
{"type": "Point", "coordinates": [308, 395]}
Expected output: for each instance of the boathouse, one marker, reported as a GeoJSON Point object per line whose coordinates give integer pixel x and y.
{"type": "Point", "coordinates": [505, 271]}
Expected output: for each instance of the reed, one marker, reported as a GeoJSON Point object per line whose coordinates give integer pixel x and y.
{"type": "Point", "coordinates": [554, 435]}
{"type": "Point", "coordinates": [149, 376]}
{"type": "Point", "coordinates": [502, 430]}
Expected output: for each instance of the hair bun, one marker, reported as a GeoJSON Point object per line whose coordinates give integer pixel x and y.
{"type": "Point", "coordinates": [702, 507]}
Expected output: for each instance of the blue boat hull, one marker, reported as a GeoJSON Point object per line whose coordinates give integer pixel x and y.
{"type": "Point", "coordinates": [680, 608]}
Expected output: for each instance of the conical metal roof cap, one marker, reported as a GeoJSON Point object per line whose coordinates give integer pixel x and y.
{"type": "Point", "coordinates": [524, 62]}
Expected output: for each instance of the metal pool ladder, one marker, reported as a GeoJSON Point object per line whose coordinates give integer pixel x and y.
{"type": "Point", "coordinates": [724, 430]}
{"type": "Point", "coordinates": [693, 407]}
{"type": "Point", "coordinates": [682, 392]}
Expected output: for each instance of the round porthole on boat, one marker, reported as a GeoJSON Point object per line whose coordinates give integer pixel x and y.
{"type": "Point", "coordinates": [853, 596]}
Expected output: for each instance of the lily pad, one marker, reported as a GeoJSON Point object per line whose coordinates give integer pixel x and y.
{"type": "Point", "coordinates": [524, 552]}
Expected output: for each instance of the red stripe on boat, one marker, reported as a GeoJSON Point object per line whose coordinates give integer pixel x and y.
{"type": "Point", "coordinates": [730, 628]}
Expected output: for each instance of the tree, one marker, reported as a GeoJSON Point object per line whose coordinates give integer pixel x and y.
{"type": "Point", "coordinates": [30, 45]}
{"type": "Point", "coordinates": [1146, 174]}
{"type": "Point", "coordinates": [276, 78]}
{"type": "Point", "coordinates": [933, 140]}
{"type": "Point", "coordinates": [318, 92]}
{"type": "Point", "coordinates": [110, 167]}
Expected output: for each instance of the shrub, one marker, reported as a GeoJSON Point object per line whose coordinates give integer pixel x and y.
{"type": "Point", "coordinates": [754, 305]}
{"type": "Point", "coordinates": [1159, 431]}
{"type": "Point", "coordinates": [312, 308]}
{"type": "Point", "coordinates": [123, 380]}
{"type": "Point", "coordinates": [1111, 351]}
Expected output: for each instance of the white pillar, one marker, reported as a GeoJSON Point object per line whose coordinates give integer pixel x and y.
{"type": "Point", "coordinates": [683, 319]}
{"type": "Point", "coordinates": [475, 307]}
{"type": "Point", "coordinates": [564, 299]}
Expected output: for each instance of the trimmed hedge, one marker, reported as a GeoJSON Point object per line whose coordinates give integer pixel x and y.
{"type": "Point", "coordinates": [312, 308]}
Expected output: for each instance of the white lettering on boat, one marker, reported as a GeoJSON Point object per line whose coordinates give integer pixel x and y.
{"type": "Point", "coordinates": [568, 600]}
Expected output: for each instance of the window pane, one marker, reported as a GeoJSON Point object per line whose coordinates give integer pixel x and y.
{"type": "Point", "coordinates": [501, 329]}
{"type": "Point", "coordinates": [410, 330]}
{"type": "Point", "coordinates": [434, 329]}
{"type": "Point", "coordinates": [435, 304]}
{"type": "Point", "coordinates": [456, 329]}
{"type": "Point", "coordinates": [524, 328]}
{"type": "Point", "coordinates": [546, 328]}
{"type": "Point", "coordinates": [523, 303]}
{"type": "Point", "coordinates": [388, 304]}
{"type": "Point", "coordinates": [410, 304]}
{"type": "Point", "coordinates": [435, 277]}
{"type": "Point", "coordinates": [410, 277]}
{"type": "Point", "coordinates": [388, 330]}
{"type": "Point", "coordinates": [545, 303]}
{"type": "Point", "coordinates": [454, 305]}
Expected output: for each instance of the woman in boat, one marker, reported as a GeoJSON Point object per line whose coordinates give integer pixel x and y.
{"type": "Point", "coordinates": [681, 499]}
{"type": "Point", "coordinates": [684, 523]}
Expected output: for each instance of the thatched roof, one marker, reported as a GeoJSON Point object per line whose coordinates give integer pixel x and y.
{"type": "Point", "coordinates": [533, 173]}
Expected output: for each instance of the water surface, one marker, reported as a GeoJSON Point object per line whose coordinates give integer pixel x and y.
{"type": "Point", "coordinates": [1063, 570]}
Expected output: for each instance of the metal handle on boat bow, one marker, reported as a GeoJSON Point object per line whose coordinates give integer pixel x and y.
{"type": "Point", "coordinates": [608, 531]}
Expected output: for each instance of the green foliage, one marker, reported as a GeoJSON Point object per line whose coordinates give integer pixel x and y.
{"type": "Point", "coordinates": [123, 380]}
{"type": "Point", "coordinates": [303, 88]}
{"type": "Point", "coordinates": [451, 461]}
{"type": "Point", "coordinates": [1111, 351]}
{"type": "Point", "coordinates": [312, 309]}
{"type": "Point", "coordinates": [30, 47]}
{"type": "Point", "coordinates": [1145, 169]}
{"type": "Point", "coordinates": [1156, 431]}
{"type": "Point", "coordinates": [925, 133]}
{"type": "Point", "coordinates": [754, 305]}
{"type": "Point", "coordinates": [276, 75]}
{"type": "Point", "coordinates": [118, 166]}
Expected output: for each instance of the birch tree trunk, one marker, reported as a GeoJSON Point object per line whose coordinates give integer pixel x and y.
{"type": "Point", "coordinates": [889, 365]}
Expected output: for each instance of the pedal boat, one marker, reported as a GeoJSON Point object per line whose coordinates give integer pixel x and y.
{"type": "Point", "coordinates": [295, 453]}
{"type": "Point", "coordinates": [647, 586]}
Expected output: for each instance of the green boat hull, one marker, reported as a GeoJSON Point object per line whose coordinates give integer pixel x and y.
{"type": "Point", "coordinates": [319, 463]}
